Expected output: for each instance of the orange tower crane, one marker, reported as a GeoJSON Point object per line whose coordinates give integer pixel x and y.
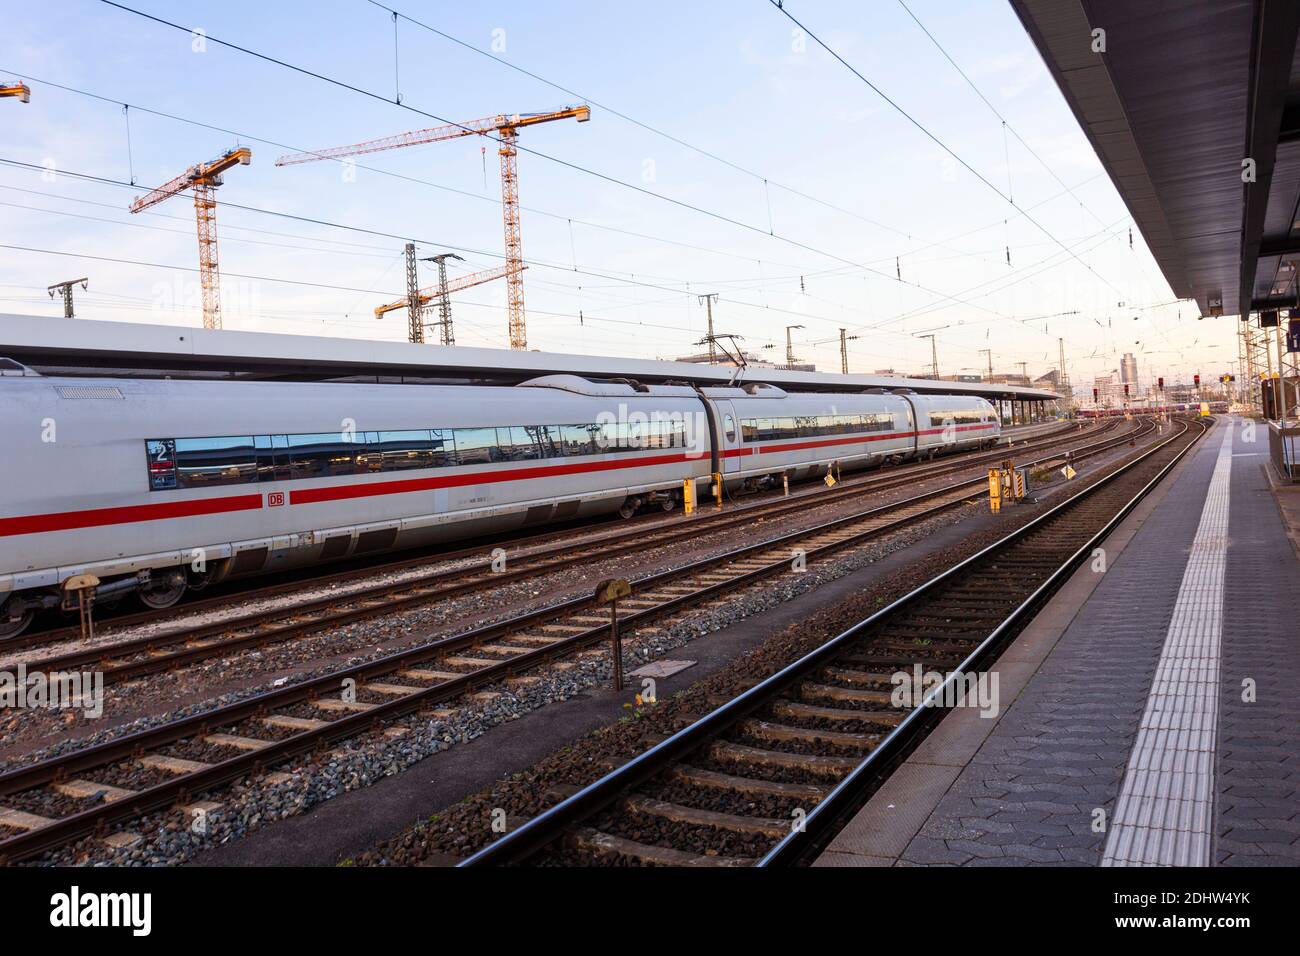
{"type": "Point", "coordinates": [506, 129]}
{"type": "Point", "coordinates": [20, 90]}
{"type": "Point", "coordinates": [433, 293]}
{"type": "Point", "coordinates": [203, 178]}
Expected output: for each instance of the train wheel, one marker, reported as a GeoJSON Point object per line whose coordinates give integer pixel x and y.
{"type": "Point", "coordinates": [163, 592]}
{"type": "Point", "coordinates": [10, 626]}
{"type": "Point", "coordinates": [629, 507]}
{"type": "Point", "coordinates": [197, 581]}
{"type": "Point", "coordinates": [667, 503]}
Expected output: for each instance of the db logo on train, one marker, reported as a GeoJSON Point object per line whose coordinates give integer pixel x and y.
{"type": "Point", "coordinates": [274, 499]}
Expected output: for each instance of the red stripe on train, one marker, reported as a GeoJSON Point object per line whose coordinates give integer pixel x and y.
{"type": "Point", "coordinates": [98, 517]}
{"type": "Point", "coordinates": [799, 446]}
{"type": "Point", "coordinates": [304, 496]}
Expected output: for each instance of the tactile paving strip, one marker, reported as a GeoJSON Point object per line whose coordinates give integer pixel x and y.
{"type": "Point", "coordinates": [1164, 815]}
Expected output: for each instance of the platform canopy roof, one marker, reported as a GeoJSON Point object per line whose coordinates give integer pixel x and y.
{"type": "Point", "coordinates": [1183, 93]}
{"type": "Point", "coordinates": [71, 346]}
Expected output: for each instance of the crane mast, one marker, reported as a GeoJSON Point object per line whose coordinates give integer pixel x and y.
{"type": "Point", "coordinates": [506, 128]}
{"type": "Point", "coordinates": [203, 179]}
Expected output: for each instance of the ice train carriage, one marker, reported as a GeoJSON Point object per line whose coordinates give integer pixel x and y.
{"type": "Point", "coordinates": [157, 486]}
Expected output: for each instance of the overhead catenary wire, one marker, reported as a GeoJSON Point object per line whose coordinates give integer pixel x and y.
{"type": "Point", "coordinates": [649, 128]}
{"type": "Point", "coordinates": [605, 177]}
{"type": "Point", "coordinates": [642, 283]}
{"type": "Point", "coordinates": [563, 267]}
{"type": "Point", "coordinates": [1006, 126]}
{"type": "Point", "coordinates": [455, 246]}
{"type": "Point", "coordinates": [244, 136]}
{"type": "Point", "coordinates": [927, 132]}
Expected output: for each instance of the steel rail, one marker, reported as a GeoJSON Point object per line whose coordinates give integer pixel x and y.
{"type": "Point", "coordinates": [395, 598]}
{"type": "Point", "coordinates": [548, 826]}
{"type": "Point", "coordinates": [95, 819]}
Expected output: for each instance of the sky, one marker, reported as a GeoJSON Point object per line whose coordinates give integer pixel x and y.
{"type": "Point", "coordinates": [727, 153]}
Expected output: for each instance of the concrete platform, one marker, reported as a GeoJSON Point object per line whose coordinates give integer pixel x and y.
{"type": "Point", "coordinates": [1148, 715]}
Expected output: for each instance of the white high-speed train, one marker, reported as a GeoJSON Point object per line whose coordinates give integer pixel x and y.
{"type": "Point", "coordinates": [159, 486]}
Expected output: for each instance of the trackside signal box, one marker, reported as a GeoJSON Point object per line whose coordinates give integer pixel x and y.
{"type": "Point", "coordinates": [1007, 484]}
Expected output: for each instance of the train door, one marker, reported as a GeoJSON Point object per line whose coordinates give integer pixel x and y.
{"type": "Point", "coordinates": [729, 437]}
{"type": "Point", "coordinates": [913, 425]}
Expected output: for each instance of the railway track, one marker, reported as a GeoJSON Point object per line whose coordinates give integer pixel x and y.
{"type": "Point", "coordinates": [766, 777]}
{"type": "Point", "coordinates": [128, 777]}
{"type": "Point", "coordinates": [155, 653]}
{"type": "Point", "coordinates": [550, 546]}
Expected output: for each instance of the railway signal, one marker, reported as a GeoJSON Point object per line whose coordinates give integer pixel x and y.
{"type": "Point", "coordinates": [203, 178]}
{"type": "Point", "coordinates": [506, 128]}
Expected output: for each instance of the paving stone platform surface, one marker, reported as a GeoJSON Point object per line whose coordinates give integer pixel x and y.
{"type": "Point", "coordinates": [1031, 789]}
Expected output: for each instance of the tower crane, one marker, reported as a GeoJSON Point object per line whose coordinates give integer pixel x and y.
{"type": "Point", "coordinates": [506, 128]}
{"type": "Point", "coordinates": [203, 178]}
{"type": "Point", "coordinates": [20, 90]}
{"type": "Point", "coordinates": [433, 294]}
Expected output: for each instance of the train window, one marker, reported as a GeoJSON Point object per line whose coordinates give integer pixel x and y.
{"type": "Point", "coordinates": [576, 440]}
{"type": "Point", "coordinates": [646, 434]}
{"type": "Point", "coordinates": [476, 446]}
{"type": "Point", "coordinates": [396, 451]}
{"type": "Point", "coordinates": [547, 438]}
{"type": "Point", "coordinates": [749, 429]}
{"type": "Point", "coordinates": [516, 444]}
{"type": "Point", "coordinates": [203, 462]}
{"type": "Point", "coordinates": [612, 436]}
{"type": "Point", "coordinates": [663, 434]}
{"type": "Point", "coordinates": [200, 462]}
{"type": "Point", "coordinates": [959, 417]}
{"type": "Point", "coordinates": [272, 457]}
{"type": "Point", "coordinates": [443, 447]}
{"type": "Point", "coordinates": [323, 454]}
{"type": "Point", "coordinates": [162, 463]}
{"type": "Point", "coordinates": [729, 428]}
